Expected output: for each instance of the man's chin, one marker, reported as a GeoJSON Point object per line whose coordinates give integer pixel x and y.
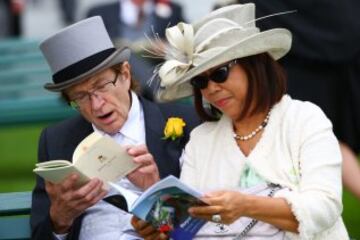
{"type": "Point", "coordinates": [108, 128]}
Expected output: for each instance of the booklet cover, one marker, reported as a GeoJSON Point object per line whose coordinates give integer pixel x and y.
{"type": "Point", "coordinates": [165, 205]}
{"type": "Point", "coordinates": [96, 156]}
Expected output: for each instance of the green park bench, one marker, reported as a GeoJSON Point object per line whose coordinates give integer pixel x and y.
{"type": "Point", "coordinates": [14, 215]}
{"type": "Point", "coordinates": [23, 72]}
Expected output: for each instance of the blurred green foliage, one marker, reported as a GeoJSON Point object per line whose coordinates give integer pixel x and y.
{"type": "Point", "coordinates": [18, 149]}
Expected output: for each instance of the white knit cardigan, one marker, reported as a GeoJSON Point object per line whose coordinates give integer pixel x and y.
{"type": "Point", "coordinates": [297, 150]}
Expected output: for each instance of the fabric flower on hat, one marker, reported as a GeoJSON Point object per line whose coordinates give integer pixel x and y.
{"type": "Point", "coordinates": [187, 49]}
{"type": "Point", "coordinates": [181, 40]}
{"type": "Point", "coordinates": [174, 128]}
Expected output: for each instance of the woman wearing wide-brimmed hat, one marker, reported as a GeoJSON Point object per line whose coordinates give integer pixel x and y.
{"type": "Point", "coordinates": [254, 133]}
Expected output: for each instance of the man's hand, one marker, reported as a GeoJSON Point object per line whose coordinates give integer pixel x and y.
{"type": "Point", "coordinates": [68, 201]}
{"type": "Point", "coordinates": [147, 174]}
{"type": "Point", "coordinates": [146, 231]}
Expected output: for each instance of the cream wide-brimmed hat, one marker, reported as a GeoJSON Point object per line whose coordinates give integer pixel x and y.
{"type": "Point", "coordinates": [80, 51]}
{"type": "Point", "coordinates": [225, 34]}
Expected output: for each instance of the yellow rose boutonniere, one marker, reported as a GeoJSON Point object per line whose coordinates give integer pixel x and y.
{"type": "Point", "coordinates": [174, 128]}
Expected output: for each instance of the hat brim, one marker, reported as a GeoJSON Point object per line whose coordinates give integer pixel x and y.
{"type": "Point", "coordinates": [276, 42]}
{"type": "Point", "coordinates": [120, 55]}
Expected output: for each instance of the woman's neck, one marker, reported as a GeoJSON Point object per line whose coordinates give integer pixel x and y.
{"type": "Point", "coordinates": [248, 131]}
{"type": "Point", "coordinates": [249, 124]}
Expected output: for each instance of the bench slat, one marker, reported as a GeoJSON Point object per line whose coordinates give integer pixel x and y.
{"type": "Point", "coordinates": [16, 203]}
{"type": "Point", "coordinates": [17, 45]}
{"type": "Point", "coordinates": [14, 215]}
{"type": "Point", "coordinates": [18, 59]}
{"type": "Point", "coordinates": [22, 73]}
{"type": "Point", "coordinates": [15, 227]}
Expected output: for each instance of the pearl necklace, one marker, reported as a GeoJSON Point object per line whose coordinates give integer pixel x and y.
{"type": "Point", "coordinates": [253, 133]}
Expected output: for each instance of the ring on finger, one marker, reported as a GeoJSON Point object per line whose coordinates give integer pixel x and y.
{"type": "Point", "coordinates": [216, 218]}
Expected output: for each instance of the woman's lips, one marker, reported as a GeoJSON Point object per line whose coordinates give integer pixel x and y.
{"type": "Point", "coordinates": [222, 102]}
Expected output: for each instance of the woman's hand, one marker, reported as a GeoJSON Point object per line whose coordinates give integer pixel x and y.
{"type": "Point", "coordinates": [230, 205]}
{"type": "Point", "coordinates": [146, 231]}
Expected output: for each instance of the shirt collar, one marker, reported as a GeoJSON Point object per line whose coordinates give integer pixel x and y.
{"type": "Point", "coordinates": [131, 127]}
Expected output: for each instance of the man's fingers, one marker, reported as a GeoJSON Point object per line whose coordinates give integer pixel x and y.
{"type": "Point", "coordinates": [144, 159]}
{"type": "Point", "coordinates": [147, 169]}
{"type": "Point", "coordinates": [162, 236]}
{"type": "Point", "coordinates": [152, 236]}
{"type": "Point", "coordinates": [69, 183]}
{"type": "Point", "coordinates": [132, 175]}
{"type": "Point", "coordinates": [138, 223]}
{"type": "Point", "coordinates": [147, 230]}
{"type": "Point", "coordinates": [86, 204]}
{"type": "Point", "coordinates": [49, 184]}
{"type": "Point", "coordinates": [82, 192]}
{"type": "Point", "coordinates": [50, 187]}
{"type": "Point", "coordinates": [134, 221]}
{"type": "Point", "coordinates": [137, 150]}
{"type": "Point", "coordinates": [141, 224]}
{"type": "Point", "coordinates": [93, 195]}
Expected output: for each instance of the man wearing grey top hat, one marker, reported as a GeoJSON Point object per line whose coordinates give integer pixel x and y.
{"type": "Point", "coordinates": [95, 78]}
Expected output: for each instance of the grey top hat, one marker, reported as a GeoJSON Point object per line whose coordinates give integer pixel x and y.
{"type": "Point", "coordinates": [79, 51]}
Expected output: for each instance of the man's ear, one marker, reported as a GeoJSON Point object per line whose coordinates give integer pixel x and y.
{"type": "Point", "coordinates": [126, 71]}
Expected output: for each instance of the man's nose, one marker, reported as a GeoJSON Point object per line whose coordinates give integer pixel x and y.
{"type": "Point", "coordinates": [96, 101]}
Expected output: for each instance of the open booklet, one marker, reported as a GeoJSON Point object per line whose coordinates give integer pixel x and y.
{"type": "Point", "coordinates": [165, 205]}
{"type": "Point", "coordinates": [95, 156]}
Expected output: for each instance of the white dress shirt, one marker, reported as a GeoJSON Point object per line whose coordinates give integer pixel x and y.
{"type": "Point", "coordinates": [103, 220]}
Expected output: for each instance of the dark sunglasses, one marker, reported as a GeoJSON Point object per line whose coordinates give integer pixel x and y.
{"type": "Point", "coordinates": [219, 75]}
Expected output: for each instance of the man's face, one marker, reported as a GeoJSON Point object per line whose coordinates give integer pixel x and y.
{"type": "Point", "coordinates": [104, 98]}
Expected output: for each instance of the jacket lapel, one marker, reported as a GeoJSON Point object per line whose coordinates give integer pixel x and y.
{"type": "Point", "coordinates": [166, 153]}
{"type": "Point", "coordinates": [154, 124]}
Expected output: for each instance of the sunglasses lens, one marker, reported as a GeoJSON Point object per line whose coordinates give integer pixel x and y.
{"type": "Point", "coordinates": [199, 82]}
{"type": "Point", "coordinates": [220, 75]}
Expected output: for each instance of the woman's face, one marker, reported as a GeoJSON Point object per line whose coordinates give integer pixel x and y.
{"type": "Point", "coordinates": [229, 96]}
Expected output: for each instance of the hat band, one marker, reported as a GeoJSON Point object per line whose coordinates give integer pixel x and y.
{"type": "Point", "coordinates": [82, 66]}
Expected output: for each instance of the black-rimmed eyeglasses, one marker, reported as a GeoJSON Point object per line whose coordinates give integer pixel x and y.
{"type": "Point", "coordinates": [83, 98]}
